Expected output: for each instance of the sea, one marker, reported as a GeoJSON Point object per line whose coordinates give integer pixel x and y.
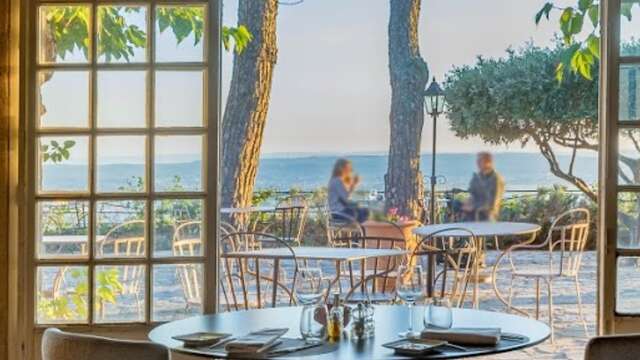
{"type": "Point", "coordinates": [308, 172]}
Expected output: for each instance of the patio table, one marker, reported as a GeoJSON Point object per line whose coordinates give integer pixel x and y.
{"type": "Point", "coordinates": [389, 321]}
{"type": "Point", "coordinates": [481, 229]}
{"type": "Point", "coordinates": [337, 255]}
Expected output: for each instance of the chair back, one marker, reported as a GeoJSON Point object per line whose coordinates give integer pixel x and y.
{"type": "Point", "coordinates": [187, 242]}
{"type": "Point", "coordinates": [341, 226]}
{"type": "Point", "coordinates": [456, 258]}
{"type": "Point", "coordinates": [379, 272]}
{"type": "Point", "coordinates": [290, 217]}
{"type": "Point", "coordinates": [239, 281]}
{"type": "Point", "coordinates": [59, 345]}
{"type": "Point", "coordinates": [619, 347]}
{"type": "Point", "coordinates": [568, 234]}
{"type": "Point", "coordinates": [126, 240]}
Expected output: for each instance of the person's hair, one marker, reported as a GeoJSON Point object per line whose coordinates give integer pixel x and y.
{"type": "Point", "coordinates": [485, 155]}
{"type": "Point", "coordinates": [339, 166]}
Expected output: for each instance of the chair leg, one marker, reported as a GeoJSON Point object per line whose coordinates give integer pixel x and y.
{"type": "Point", "coordinates": [550, 296]}
{"type": "Point", "coordinates": [580, 312]}
{"type": "Point", "coordinates": [537, 298]}
{"type": "Point", "coordinates": [510, 298]}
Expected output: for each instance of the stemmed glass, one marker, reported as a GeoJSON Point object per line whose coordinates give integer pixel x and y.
{"type": "Point", "coordinates": [410, 288]}
{"type": "Point", "coordinates": [308, 291]}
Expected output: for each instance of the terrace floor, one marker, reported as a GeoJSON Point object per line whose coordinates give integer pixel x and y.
{"type": "Point", "coordinates": [570, 338]}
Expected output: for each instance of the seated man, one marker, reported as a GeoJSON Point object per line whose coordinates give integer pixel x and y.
{"type": "Point", "coordinates": [486, 190]}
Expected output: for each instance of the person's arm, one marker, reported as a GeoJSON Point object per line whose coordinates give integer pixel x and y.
{"type": "Point", "coordinates": [344, 194]}
{"type": "Point", "coordinates": [498, 193]}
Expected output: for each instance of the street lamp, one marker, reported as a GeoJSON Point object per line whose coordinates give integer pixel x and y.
{"type": "Point", "coordinates": [434, 106]}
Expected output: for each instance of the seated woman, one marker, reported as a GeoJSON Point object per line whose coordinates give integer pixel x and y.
{"type": "Point", "coordinates": [343, 182]}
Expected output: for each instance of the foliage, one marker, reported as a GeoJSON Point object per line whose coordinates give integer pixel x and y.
{"type": "Point", "coordinates": [542, 207]}
{"type": "Point", "coordinates": [580, 27]}
{"type": "Point", "coordinates": [68, 27]}
{"type": "Point", "coordinates": [56, 152]}
{"type": "Point", "coordinates": [72, 305]}
{"type": "Point", "coordinates": [515, 100]}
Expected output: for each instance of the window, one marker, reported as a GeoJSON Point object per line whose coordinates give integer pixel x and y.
{"type": "Point", "coordinates": [122, 185]}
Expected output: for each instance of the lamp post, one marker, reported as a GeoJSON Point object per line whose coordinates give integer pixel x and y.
{"type": "Point", "coordinates": [434, 106]}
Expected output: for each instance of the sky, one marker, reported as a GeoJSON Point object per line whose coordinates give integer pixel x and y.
{"type": "Point", "coordinates": [331, 89]}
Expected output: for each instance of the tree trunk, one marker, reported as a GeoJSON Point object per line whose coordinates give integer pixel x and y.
{"type": "Point", "coordinates": [248, 102]}
{"type": "Point", "coordinates": [404, 188]}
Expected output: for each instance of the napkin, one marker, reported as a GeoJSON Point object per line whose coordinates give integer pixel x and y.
{"type": "Point", "coordinates": [464, 336]}
{"type": "Point", "coordinates": [255, 342]}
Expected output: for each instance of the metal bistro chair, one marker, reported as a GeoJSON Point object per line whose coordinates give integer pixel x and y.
{"type": "Point", "coordinates": [455, 261]}
{"type": "Point", "coordinates": [246, 282]}
{"type": "Point", "coordinates": [187, 241]}
{"type": "Point", "coordinates": [341, 226]}
{"type": "Point", "coordinates": [291, 217]}
{"type": "Point", "coordinates": [378, 285]}
{"type": "Point", "coordinates": [126, 240]}
{"type": "Point", "coordinates": [568, 234]}
{"type": "Point", "coordinates": [60, 345]}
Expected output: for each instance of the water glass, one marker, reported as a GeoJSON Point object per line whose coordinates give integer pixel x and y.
{"type": "Point", "coordinates": [410, 287]}
{"type": "Point", "coordinates": [308, 287]}
{"type": "Point", "coordinates": [313, 323]}
{"type": "Point", "coordinates": [438, 314]}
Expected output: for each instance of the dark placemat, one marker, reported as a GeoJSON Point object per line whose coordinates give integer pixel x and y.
{"type": "Point", "coordinates": [511, 340]}
{"type": "Point", "coordinates": [218, 351]}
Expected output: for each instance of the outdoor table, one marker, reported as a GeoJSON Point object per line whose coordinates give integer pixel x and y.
{"type": "Point", "coordinates": [481, 229]}
{"type": "Point", "coordinates": [389, 321]}
{"type": "Point", "coordinates": [337, 255]}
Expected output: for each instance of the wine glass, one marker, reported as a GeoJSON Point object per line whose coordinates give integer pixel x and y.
{"type": "Point", "coordinates": [410, 288]}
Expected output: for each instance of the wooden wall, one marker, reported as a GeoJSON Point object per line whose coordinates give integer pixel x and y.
{"type": "Point", "coordinates": [5, 25]}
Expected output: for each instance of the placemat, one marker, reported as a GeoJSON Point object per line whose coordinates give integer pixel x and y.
{"type": "Point", "coordinates": [286, 343]}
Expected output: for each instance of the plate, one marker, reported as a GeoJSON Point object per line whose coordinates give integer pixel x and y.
{"type": "Point", "coordinates": [414, 347]}
{"type": "Point", "coordinates": [201, 338]}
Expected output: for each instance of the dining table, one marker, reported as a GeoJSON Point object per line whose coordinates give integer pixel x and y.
{"type": "Point", "coordinates": [518, 332]}
{"type": "Point", "coordinates": [338, 256]}
{"type": "Point", "coordinates": [480, 230]}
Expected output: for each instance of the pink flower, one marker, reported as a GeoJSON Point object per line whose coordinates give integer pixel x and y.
{"type": "Point", "coordinates": [392, 212]}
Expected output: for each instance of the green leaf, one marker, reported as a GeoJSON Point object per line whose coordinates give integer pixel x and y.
{"type": "Point", "coordinates": [625, 9]}
{"type": "Point", "coordinates": [593, 44]}
{"type": "Point", "coordinates": [583, 5]}
{"type": "Point", "coordinates": [546, 9]}
{"type": "Point", "coordinates": [69, 143]}
{"type": "Point", "coordinates": [594, 15]}
{"type": "Point", "coordinates": [576, 23]}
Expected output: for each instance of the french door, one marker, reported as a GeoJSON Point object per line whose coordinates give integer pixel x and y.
{"type": "Point", "coordinates": [619, 201]}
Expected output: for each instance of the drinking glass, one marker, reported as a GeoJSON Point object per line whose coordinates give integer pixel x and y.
{"type": "Point", "coordinates": [308, 291]}
{"type": "Point", "coordinates": [308, 287]}
{"type": "Point", "coordinates": [313, 323]}
{"type": "Point", "coordinates": [410, 288]}
{"type": "Point", "coordinates": [438, 314]}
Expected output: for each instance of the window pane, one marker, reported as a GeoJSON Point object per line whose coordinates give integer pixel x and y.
{"type": "Point", "coordinates": [629, 31]}
{"type": "Point", "coordinates": [628, 220]}
{"type": "Point", "coordinates": [119, 294]}
{"type": "Point", "coordinates": [62, 294]}
{"type": "Point", "coordinates": [64, 34]}
{"type": "Point", "coordinates": [64, 163]}
{"type": "Point", "coordinates": [63, 229]}
{"type": "Point", "coordinates": [629, 98]}
{"type": "Point", "coordinates": [629, 152]}
{"type": "Point", "coordinates": [64, 99]}
{"type": "Point", "coordinates": [122, 34]}
{"type": "Point", "coordinates": [628, 292]}
{"type": "Point", "coordinates": [120, 228]}
{"type": "Point", "coordinates": [179, 33]}
{"type": "Point", "coordinates": [178, 163]}
{"type": "Point", "coordinates": [179, 99]}
{"type": "Point", "coordinates": [177, 291]}
{"type": "Point", "coordinates": [122, 99]}
{"type": "Point", "coordinates": [177, 227]}
{"type": "Point", "coordinates": [121, 163]}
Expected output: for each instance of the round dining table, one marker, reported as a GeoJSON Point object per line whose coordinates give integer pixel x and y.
{"type": "Point", "coordinates": [390, 320]}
